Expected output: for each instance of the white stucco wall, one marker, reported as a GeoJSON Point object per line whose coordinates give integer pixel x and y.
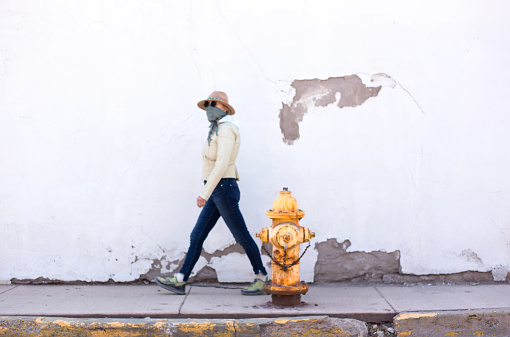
{"type": "Point", "coordinates": [100, 136]}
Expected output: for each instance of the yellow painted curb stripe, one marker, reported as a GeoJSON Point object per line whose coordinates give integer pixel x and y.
{"type": "Point", "coordinates": [414, 315]}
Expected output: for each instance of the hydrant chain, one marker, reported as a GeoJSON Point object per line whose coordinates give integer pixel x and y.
{"type": "Point", "coordinates": [285, 266]}
{"type": "Point", "coordinates": [285, 255]}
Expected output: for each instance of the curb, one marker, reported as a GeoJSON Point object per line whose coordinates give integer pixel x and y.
{"type": "Point", "coordinates": [262, 327]}
{"type": "Point", "coordinates": [482, 322]}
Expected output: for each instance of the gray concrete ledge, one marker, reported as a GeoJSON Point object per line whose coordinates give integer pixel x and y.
{"type": "Point", "coordinates": [440, 308]}
{"type": "Point", "coordinates": [370, 304]}
{"type": "Point", "coordinates": [262, 327]}
{"type": "Point", "coordinates": [481, 322]}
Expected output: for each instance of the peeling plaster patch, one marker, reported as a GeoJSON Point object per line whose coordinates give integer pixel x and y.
{"type": "Point", "coordinates": [335, 264]}
{"type": "Point", "coordinates": [383, 80]}
{"type": "Point", "coordinates": [471, 256]}
{"type": "Point", "coordinates": [266, 248]}
{"type": "Point", "coordinates": [204, 270]}
{"type": "Point", "coordinates": [160, 267]}
{"type": "Point", "coordinates": [222, 265]}
{"type": "Point", "coordinates": [499, 274]}
{"type": "Point", "coordinates": [206, 274]}
{"type": "Point", "coordinates": [235, 248]}
{"type": "Point", "coordinates": [348, 91]}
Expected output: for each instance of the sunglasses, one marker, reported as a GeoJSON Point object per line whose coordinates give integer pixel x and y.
{"type": "Point", "coordinates": [213, 103]}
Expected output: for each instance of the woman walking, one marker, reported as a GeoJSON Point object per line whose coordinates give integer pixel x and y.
{"type": "Point", "coordinates": [220, 195]}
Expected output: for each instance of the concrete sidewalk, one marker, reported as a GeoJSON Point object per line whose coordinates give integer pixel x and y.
{"type": "Point", "coordinates": [409, 307]}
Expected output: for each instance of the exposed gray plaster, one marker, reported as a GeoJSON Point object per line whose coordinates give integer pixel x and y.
{"type": "Point", "coordinates": [335, 264]}
{"type": "Point", "coordinates": [320, 93]}
{"type": "Point", "coordinates": [467, 277]}
{"type": "Point", "coordinates": [207, 273]}
{"type": "Point", "coordinates": [235, 248]}
{"type": "Point", "coordinates": [267, 248]}
{"type": "Point", "coordinates": [155, 269]}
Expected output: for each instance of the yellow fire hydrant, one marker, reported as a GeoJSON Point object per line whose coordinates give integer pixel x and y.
{"type": "Point", "coordinates": [285, 234]}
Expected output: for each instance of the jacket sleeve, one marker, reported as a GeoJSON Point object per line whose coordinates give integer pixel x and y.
{"type": "Point", "coordinates": [226, 141]}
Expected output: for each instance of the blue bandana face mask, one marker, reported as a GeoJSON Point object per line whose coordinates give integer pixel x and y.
{"type": "Point", "coordinates": [214, 114]}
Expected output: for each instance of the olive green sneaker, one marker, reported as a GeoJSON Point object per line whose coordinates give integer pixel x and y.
{"type": "Point", "coordinates": [171, 284]}
{"type": "Point", "coordinates": [255, 288]}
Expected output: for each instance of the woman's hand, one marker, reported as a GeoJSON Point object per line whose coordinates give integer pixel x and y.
{"type": "Point", "coordinates": [200, 201]}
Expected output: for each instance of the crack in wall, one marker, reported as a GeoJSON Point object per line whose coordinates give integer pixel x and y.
{"type": "Point", "coordinates": [243, 44]}
{"type": "Point", "coordinates": [3, 61]}
{"type": "Point", "coordinates": [412, 97]}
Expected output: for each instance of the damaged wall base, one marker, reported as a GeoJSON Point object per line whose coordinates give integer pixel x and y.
{"type": "Point", "coordinates": [334, 264]}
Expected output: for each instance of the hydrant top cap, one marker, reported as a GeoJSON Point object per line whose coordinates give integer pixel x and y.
{"type": "Point", "coordinates": [285, 202]}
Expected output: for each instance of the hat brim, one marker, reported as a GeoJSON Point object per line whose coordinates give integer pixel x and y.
{"type": "Point", "coordinates": [231, 110]}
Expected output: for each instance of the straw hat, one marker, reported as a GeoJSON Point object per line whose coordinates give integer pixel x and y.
{"type": "Point", "coordinates": [218, 96]}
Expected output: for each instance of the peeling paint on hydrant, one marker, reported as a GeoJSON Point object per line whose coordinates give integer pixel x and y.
{"type": "Point", "coordinates": [285, 235]}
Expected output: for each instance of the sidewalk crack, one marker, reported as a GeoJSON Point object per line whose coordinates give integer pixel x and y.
{"type": "Point", "coordinates": [184, 300]}
{"type": "Point", "coordinates": [3, 292]}
{"type": "Point", "coordinates": [394, 310]}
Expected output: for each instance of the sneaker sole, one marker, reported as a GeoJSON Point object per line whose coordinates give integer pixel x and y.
{"type": "Point", "coordinates": [253, 293]}
{"type": "Point", "coordinates": [170, 288]}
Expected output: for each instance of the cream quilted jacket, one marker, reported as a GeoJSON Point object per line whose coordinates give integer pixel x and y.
{"type": "Point", "coordinates": [220, 157]}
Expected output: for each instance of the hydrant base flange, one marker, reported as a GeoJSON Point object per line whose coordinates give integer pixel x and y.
{"type": "Point", "coordinates": [286, 296]}
{"type": "Point", "coordinates": [277, 289]}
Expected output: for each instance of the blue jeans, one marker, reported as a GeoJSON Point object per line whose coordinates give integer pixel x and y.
{"type": "Point", "coordinates": [224, 202]}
